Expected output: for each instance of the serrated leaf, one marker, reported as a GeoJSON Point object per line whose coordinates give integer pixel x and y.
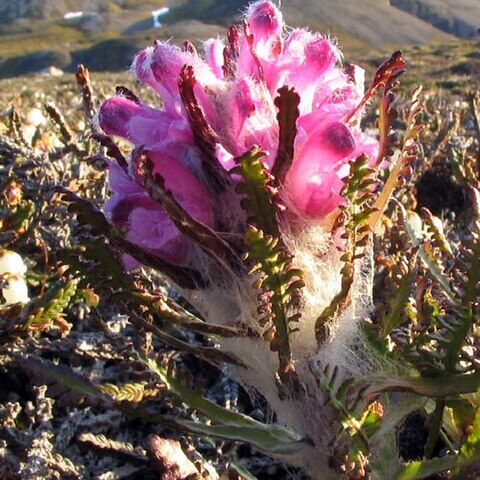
{"type": "Point", "coordinates": [271, 261]}
{"type": "Point", "coordinates": [414, 228]}
{"type": "Point", "coordinates": [257, 191]}
{"type": "Point", "coordinates": [203, 135]}
{"type": "Point", "coordinates": [48, 309]}
{"type": "Point", "coordinates": [354, 217]}
{"type": "Point", "coordinates": [131, 392]}
{"type": "Point", "coordinates": [399, 302]}
{"type": "Point", "coordinates": [287, 103]}
{"type": "Point", "coordinates": [407, 156]}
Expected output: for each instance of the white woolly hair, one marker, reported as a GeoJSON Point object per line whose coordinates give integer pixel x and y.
{"type": "Point", "coordinates": [148, 61]}
{"type": "Point", "coordinates": [232, 300]}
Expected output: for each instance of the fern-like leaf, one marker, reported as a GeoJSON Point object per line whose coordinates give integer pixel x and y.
{"type": "Point", "coordinates": [280, 285]}
{"type": "Point", "coordinates": [358, 421]}
{"type": "Point", "coordinates": [407, 156]}
{"type": "Point", "coordinates": [401, 280]}
{"type": "Point", "coordinates": [258, 193]}
{"type": "Point", "coordinates": [130, 392]}
{"type": "Point", "coordinates": [287, 103]}
{"type": "Point", "coordinates": [278, 282]}
{"type": "Point", "coordinates": [354, 220]}
{"type": "Point", "coordinates": [115, 447]}
{"type": "Point", "coordinates": [434, 231]}
{"type": "Point", "coordinates": [50, 308]}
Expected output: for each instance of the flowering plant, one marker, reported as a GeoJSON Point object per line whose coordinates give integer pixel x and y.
{"type": "Point", "coordinates": [256, 191]}
{"type": "Point", "coordinates": [285, 93]}
{"type": "Point", "coordinates": [256, 171]}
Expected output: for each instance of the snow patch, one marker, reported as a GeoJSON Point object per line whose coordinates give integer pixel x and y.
{"type": "Point", "coordinates": [73, 15]}
{"type": "Point", "coordinates": [156, 14]}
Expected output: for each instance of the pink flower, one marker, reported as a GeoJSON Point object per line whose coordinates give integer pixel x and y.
{"type": "Point", "coordinates": [215, 109]}
{"type": "Point", "coordinates": [145, 223]}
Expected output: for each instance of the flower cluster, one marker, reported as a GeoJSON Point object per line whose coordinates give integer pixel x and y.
{"type": "Point", "coordinates": [217, 107]}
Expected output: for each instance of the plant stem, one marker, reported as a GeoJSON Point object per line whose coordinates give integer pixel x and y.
{"type": "Point", "coordinates": [435, 426]}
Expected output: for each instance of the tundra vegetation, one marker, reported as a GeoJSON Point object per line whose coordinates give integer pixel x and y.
{"type": "Point", "coordinates": [249, 264]}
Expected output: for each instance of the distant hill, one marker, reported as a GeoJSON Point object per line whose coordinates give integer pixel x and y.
{"type": "Point", "coordinates": [11, 11]}
{"type": "Point", "coordinates": [458, 17]}
{"type": "Point", "coordinates": [113, 29]}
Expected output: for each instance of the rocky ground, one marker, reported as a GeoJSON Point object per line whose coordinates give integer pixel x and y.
{"type": "Point", "coordinates": [50, 434]}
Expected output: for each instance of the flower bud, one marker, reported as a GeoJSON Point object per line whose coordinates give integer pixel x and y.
{"type": "Point", "coordinates": [266, 26]}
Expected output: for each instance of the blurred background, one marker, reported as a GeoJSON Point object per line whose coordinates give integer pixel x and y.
{"type": "Point", "coordinates": [53, 36]}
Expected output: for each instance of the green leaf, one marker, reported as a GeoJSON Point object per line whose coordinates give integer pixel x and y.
{"type": "Point", "coordinates": [257, 191]}
{"type": "Point", "coordinates": [227, 424]}
{"type": "Point", "coordinates": [131, 392]}
{"type": "Point", "coordinates": [354, 220]}
{"type": "Point", "coordinates": [241, 470]}
{"type": "Point", "coordinates": [400, 301]}
{"type": "Point", "coordinates": [48, 308]}
{"type": "Point", "coordinates": [63, 377]}
{"type": "Point", "coordinates": [415, 230]}
{"type": "Point", "coordinates": [471, 448]}
{"type": "Point", "coordinates": [434, 387]}
{"type": "Point", "coordinates": [280, 285]}
{"type": "Point", "coordinates": [271, 439]}
{"type": "Point", "coordinates": [425, 468]}
{"type": "Point", "coordinates": [278, 282]}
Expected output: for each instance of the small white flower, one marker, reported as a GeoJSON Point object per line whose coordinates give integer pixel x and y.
{"type": "Point", "coordinates": [16, 291]}
{"type": "Point", "coordinates": [28, 132]}
{"type": "Point", "coordinates": [35, 117]}
{"type": "Point", "coordinates": [11, 263]}
{"type": "Point", "coordinates": [12, 269]}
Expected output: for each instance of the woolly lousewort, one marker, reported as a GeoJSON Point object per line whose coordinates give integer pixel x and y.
{"type": "Point", "coordinates": [255, 185]}
{"type": "Point", "coordinates": [218, 107]}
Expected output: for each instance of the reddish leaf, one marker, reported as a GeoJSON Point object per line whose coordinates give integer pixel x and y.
{"type": "Point", "coordinates": [204, 136]}
{"type": "Point", "coordinates": [231, 53]}
{"type": "Point", "coordinates": [287, 103]}
{"type": "Point", "coordinates": [112, 150]}
{"type": "Point", "coordinates": [386, 73]}
{"type": "Point", "coordinates": [128, 94]}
